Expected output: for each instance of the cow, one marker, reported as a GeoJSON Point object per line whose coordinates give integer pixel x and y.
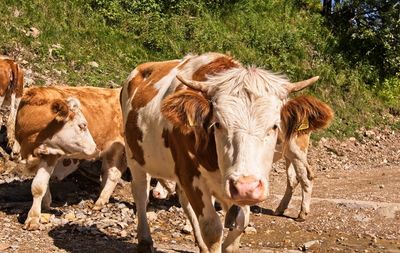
{"type": "Point", "coordinates": [300, 116]}
{"type": "Point", "coordinates": [103, 120]}
{"type": "Point", "coordinates": [210, 124]}
{"type": "Point", "coordinates": [11, 89]}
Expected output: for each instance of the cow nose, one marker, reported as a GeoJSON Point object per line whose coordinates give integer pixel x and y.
{"type": "Point", "coordinates": [247, 190]}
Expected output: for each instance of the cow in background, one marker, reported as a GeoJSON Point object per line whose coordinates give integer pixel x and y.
{"type": "Point", "coordinates": [103, 119]}
{"type": "Point", "coordinates": [211, 125]}
{"type": "Point", "coordinates": [49, 127]}
{"type": "Point", "coordinates": [11, 89]}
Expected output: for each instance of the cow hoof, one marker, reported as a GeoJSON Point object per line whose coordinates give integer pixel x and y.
{"type": "Point", "coordinates": [32, 224]}
{"type": "Point", "coordinates": [278, 213]}
{"type": "Point", "coordinates": [146, 247]}
{"type": "Point", "coordinates": [301, 217]}
{"type": "Point", "coordinates": [98, 205]}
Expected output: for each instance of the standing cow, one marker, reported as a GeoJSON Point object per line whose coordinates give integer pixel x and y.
{"type": "Point", "coordinates": [211, 125]}
{"type": "Point", "coordinates": [11, 88]}
{"type": "Point", "coordinates": [103, 119]}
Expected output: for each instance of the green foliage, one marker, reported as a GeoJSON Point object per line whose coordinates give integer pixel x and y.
{"type": "Point", "coordinates": [369, 32]}
{"type": "Point", "coordinates": [290, 37]}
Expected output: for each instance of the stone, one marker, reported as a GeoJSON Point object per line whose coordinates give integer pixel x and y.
{"type": "Point", "coordinates": [93, 64]}
{"type": "Point", "coordinates": [45, 218]}
{"type": "Point", "coordinates": [151, 216]}
{"type": "Point", "coordinates": [250, 230]}
{"type": "Point", "coordinates": [33, 32]}
{"type": "Point", "coordinates": [187, 229]}
{"type": "Point", "coordinates": [70, 216]}
{"type": "Point", "coordinates": [309, 244]}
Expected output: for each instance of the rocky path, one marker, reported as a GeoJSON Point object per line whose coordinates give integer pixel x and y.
{"type": "Point", "coordinates": [355, 208]}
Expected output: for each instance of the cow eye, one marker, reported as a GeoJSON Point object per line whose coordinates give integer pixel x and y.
{"type": "Point", "coordinates": [217, 125]}
{"type": "Point", "coordinates": [275, 127]}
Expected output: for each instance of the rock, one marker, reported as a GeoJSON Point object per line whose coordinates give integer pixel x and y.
{"type": "Point", "coordinates": [369, 133]}
{"type": "Point", "coordinates": [151, 216]}
{"type": "Point", "coordinates": [250, 230]}
{"type": "Point", "coordinates": [45, 218]}
{"type": "Point", "coordinates": [121, 206]}
{"type": "Point", "coordinates": [187, 229]}
{"type": "Point", "coordinates": [70, 216]}
{"type": "Point", "coordinates": [176, 235]}
{"type": "Point", "coordinates": [309, 244]}
{"type": "Point", "coordinates": [93, 64]}
{"type": "Point", "coordinates": [4, 246]}
{"type": "Point", "coordinates": [123, 233]}
{"type": "Point", "coordinates": [33, 32]}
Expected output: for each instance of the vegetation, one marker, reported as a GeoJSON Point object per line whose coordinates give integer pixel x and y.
{"type": "Point", "coordinates": [291, 37]}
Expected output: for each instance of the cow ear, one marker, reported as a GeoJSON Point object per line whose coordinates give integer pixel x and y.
{"type": "Point", "coordinates": [60, 109]}
{"type": "Point", "coordinates": [186, 110]}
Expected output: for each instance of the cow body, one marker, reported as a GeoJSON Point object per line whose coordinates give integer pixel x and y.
{"type": "Point", "coordinates": [102, 112]}
{"type": "Point", "coordinates": [215, 139]}
{"type": "Point", "coordinates": [11, 88]}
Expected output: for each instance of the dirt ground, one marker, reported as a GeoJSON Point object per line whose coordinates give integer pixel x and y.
{"type": "Point", "coordinates": [355, 208]}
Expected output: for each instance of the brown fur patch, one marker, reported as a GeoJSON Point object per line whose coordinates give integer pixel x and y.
{"type": "Point", "coordinates": [11, 77]}
{"type": "Point", "coordinates": [141, 84]}
{"type": "Point", "coordinates": [187, 161]}
{"type": "Point", "coordinates": [302, 141]}
{"type": "Point", "coordinates": [218, 65]}
{"type": "Point", "coordinates": [190, 112]}
{"type": "Point", "coordinates": [60, 109]}
{"type": "Point", "coordinates": [302, 108]}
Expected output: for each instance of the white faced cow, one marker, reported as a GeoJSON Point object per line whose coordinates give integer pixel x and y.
{"type": "Point", "coordinates": [11, 88]}
{"type": "Point", "coordinates": [100, 115]}
{"type": "Point", "coordinates": [211, 125]}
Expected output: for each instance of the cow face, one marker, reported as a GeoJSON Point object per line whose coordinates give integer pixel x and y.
{"type": "Point", "coordinates": [73, 137]}
{"type": "Point", "coordinates": [243, 106]}
{"type": "Point", "coordinates": [245, 134]}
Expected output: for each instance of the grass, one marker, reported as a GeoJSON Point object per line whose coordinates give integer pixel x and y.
{"type": "Point", "coordinates": [289, 37]}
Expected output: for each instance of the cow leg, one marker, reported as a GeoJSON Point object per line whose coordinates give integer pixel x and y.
{"type": "Point", "coordinates": [140, 190]}
{"type": "Point", "coordinates": [232, 241]}
{"type": "Point", "coordinates": [1, 105]}
{"type": "Point", "coordinates": [201, 201]}
{"type": "Point", "coordinates": [39, 187]}
{"type": "Point", "coordinates": [292, 182]}
{"type": "Point", "coordinates": [306, 186]}
{"type": "Point", "coordinates": [46, 202]}
{"type": "Point", "coordinates": [110, 178]}
{"type": "Point", "coordinates": [16, 148]}
{"type": "Point", "coordinates": [193, 219]}
{"type": "Point", "coordinates": [113, 167]}
{"type": "Point", "coordinates": [11, 121]}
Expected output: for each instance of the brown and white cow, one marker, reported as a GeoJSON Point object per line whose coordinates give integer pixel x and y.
{"type": "Point", "coordinates": [11, 88]}
{"type": "Point", "coordinates": [300, 116]}
{"type": "Point", "coordinates": [103, 119]}
{"type": "Point", "coordinates": [211, 125]}
{"type": "Point", "coordinates": [49, 126]}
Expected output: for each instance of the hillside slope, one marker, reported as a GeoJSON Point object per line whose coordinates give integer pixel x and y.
{"type": "Point", "coordinates": [98, 42]}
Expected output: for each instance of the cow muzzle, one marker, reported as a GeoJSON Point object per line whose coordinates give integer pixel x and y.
{"type": "Point", "coordinates": [247, 190]}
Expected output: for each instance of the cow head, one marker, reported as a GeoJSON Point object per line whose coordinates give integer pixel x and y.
{"type": "Point", "coordinates": [242, 106]}
{"type": "Point", "coordinates": [72, 136]}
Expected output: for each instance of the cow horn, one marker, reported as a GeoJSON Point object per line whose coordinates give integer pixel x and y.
{"type": "Point", "coordinates": [193, 84]}
{"type": "Point", "coordinates": [293, 87]}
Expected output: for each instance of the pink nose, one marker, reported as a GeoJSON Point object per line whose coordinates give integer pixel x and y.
{"type": "Point", "coordinates": [247, 190]}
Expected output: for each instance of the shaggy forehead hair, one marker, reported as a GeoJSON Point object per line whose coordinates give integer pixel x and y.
{"type": "Point", "coordinates": [248, 98]}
